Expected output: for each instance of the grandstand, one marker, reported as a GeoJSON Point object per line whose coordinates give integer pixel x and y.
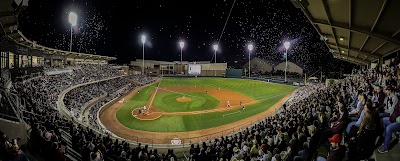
{"type": "Point", "coordinates": [51, 99]}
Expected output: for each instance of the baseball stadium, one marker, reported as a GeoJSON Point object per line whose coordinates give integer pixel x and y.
{"type": "Point", "coordinates": [292, 80]}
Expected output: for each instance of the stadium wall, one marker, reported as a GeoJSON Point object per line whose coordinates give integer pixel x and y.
{"type": "Point", "coordinates": [15, 130]}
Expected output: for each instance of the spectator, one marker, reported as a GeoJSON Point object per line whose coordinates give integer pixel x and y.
{"type": "Point", "coordinates": [337, 151]}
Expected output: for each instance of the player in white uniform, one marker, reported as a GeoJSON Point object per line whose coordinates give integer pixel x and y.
{"type": "Point", "coordinates": [144, 109]}
{"type": "Point", "coordinates": [228, 104]}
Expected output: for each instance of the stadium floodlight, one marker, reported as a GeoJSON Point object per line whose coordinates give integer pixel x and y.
{"type": "Point", "coordinates": [143, 39]}
{"type": "Point", "coordinates": [143, 42]}
{"type": "Point", "coordinates": [215, 47]}
{"type": "Point", "coordinates": [181, 45]}
{"type": "Point", "coordinates": [286, 44]}
{"type": "Point", "coordinates": [72, 18]}
{"type": "Point", "coordinates": [250, 47]}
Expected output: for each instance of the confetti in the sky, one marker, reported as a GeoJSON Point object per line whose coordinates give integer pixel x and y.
{"type": "Point", "coordinates": [113, 28]}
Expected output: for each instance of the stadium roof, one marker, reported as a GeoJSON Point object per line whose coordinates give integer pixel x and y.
{"type": "Point", "coordinates": [356, 31]}
{"type": "Point", "coordinates": [9, 28]}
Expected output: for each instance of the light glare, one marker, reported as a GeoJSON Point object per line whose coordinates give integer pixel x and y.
{"type": "Point", "coordinates": [215, 47]}
{"type": "Point", "coordinates": [287, 45]}
{"type": "Point", "coordinates": [181, 44]}
{"type": "Point", "coordinates": [143, 39]}
{"type": "Point", "coordinates": [72, 18]}
{"type": "Point", "coordinates": [250, 47]}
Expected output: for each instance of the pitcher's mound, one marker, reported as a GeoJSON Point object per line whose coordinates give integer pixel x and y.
{"type": "Point", "coordinates": [183, 99]}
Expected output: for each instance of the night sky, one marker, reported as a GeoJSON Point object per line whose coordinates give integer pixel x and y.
{"type": "Point", "coordinates": [114, 28]}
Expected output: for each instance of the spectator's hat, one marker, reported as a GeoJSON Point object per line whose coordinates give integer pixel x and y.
{"type": "Point", "coordinates": [335, 138]}
{"type": "Point", "coordinates": [235, 149]}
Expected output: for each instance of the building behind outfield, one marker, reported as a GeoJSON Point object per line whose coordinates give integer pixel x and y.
{"type": "Point", "coordinates": [155, 67]}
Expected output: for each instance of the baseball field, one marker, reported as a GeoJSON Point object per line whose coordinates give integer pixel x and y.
{"type": "Point", "coordinates": [192, 104]}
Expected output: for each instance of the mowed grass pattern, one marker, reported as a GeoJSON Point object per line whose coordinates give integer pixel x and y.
{"type": "Point", "coordinates": [199, 101]}
{"type": "Point", "coordinates": [267, 94]}
{"type": "Point", "coordinates": [254, 89]}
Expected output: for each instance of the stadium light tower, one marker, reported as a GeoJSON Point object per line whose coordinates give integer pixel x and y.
{"type": "Point", "coordinates": [287, 46]}
{"type": "Point", "coordinates": [143, 42]}
{"type": "Point", "coordinates": [215, 47]}
{"type": "Point", "coordinates": [250, 47]}
{"type": "Point", "coordinates": [72, 18]}
{"type": "Point", "coordinates": [181, 45]}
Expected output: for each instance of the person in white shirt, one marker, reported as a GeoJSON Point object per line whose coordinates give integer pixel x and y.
{"type": "Point", "coordinates": [390, 100]}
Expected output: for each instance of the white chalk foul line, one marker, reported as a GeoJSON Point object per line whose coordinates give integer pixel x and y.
{"type": "Point", "coordinates": [231, 113]}
{"type": "Point", "coordinates": [152, 99]}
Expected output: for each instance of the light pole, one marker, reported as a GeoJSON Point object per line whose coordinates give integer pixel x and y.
{"type": "Point", "coordinates": [286, 45]}
{"type": "Point", "coordinates": [181, 45]}
{"type": "Point", "coordinates": [250, 47]}
{"type": "Point", "coordinates": [143, 41]}
{"type": "Point", "coordinates": [72, 18]}
{"type": "Point", "coordinates": [215, 58]}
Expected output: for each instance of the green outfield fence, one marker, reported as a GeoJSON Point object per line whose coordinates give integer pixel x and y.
{"type": "Point", "coordinates": [289, 82]}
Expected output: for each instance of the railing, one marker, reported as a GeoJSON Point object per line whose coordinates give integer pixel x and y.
{"type": "Point", "coordinates": [186, 142]}
{"type": "Point", "coordinates": [27, 77]}
{"type": "Point", "coordinates": [5, 79]}
{"type": "Point", "coordinates": [10, 110]}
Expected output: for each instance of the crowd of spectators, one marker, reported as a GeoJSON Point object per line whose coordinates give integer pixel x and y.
{"type": "Point", "coordinates": [41, 113]}
{"type": "Point", "coordinates": [39, 96]}
{"type": "Point", "coordinates": [141, 79]}
{"type": "Point", "coordinates": [350, 118]}
{"type": "Point", "coordinates": [76, 98]}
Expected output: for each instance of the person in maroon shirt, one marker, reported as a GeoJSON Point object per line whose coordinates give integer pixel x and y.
{"type": "Point", "coordinates": [381, 96]}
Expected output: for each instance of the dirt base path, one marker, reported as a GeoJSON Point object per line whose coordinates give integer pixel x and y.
{"type": "Point", "coordinates": [234, 98]}
{"type": "Point", "coordinates": [109, 120]}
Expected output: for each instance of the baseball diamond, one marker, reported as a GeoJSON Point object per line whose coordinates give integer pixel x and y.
{"type": "Point", "coordinates": [206, 112]}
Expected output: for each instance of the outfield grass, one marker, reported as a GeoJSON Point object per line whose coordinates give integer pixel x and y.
{"type": "Point", "coordinates": [267, 94]}
{"type": "Point", "coordinates": [253, 89]}
{"type": "Point", "coordinates": [199, 101]}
